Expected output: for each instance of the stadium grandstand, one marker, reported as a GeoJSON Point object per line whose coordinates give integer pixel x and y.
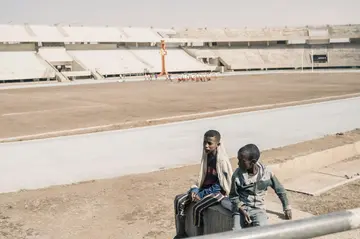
{"type": "Point", "coordinates": [66, 53]}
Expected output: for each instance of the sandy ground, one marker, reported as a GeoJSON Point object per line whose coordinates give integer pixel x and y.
{"type": "Point", "coordinates": [135, 206]}
{"type": "Point", "coordinates": [42, 110]}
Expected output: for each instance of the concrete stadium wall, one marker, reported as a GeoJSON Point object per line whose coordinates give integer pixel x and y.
{"type": "Point", "coordinates": [239, 44]}
{"type": "Point", "coordinates": [18, 47]}
{"type": "Point", "coordinates": [91, 46]}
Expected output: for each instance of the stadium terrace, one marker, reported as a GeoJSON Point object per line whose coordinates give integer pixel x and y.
{"type": "Point", "coordinates": [69, 53]}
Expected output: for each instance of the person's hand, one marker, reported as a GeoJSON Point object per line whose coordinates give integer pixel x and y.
{"type": "Point", "coordinates": [194, 197]}
{"type": "Point", "coordinates": [247, 218]}
{"type": "Point", "coordinates": [288, 214]}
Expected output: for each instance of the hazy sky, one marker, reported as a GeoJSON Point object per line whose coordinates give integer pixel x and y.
{"type": "Point", "coordinates": [181, 13]}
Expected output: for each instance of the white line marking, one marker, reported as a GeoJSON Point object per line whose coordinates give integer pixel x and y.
{"type": "Point", "coordinates": [104, 127]}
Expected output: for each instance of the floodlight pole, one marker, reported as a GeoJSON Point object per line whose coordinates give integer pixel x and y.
{"type": "Point", "coordinates": [163, 53]}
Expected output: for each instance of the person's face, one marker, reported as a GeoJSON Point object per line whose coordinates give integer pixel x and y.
{"type": "Point", "coordinates": [210, 144]}
{"type": "Point", "coordinates": [244, 163]}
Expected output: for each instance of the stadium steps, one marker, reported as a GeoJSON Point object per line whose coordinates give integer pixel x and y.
{"type": "Point", "coordinates": [139, 58]}
{"type": "Point", "coordinates": [62, 31]}
{"type": "Point", "coordinates": [123, 32]}
{"type": "Point", "coordinates": [211, 55]}
{"type": "Point", "coordinates": [94, 73]}
{"type": "Point", "coordinates": [226, 65]}
{"type": "Point", "coordinates": [265, 58]}
{"type": "Point", "coordinates": [59, 76]}
{"type": "Point", "coordinates": [192, 55]}
{"type": "Point", "coordinates": [29, 30]}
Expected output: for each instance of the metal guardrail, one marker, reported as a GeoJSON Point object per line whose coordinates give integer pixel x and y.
{"type": "Point", "coordinates": [299, 229]}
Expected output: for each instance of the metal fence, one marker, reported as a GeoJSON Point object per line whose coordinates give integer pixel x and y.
{"type": "Point", "coordinates": [300, 229]}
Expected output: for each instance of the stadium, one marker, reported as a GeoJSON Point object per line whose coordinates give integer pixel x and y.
{"type": "Point", "coordinates": [66, 53]}
{"type": "Point", "coordinates": [94, 149]}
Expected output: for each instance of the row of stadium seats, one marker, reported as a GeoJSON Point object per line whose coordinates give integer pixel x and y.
{"type": "Point", "coordinates": [23, 65]}
{"type": "Point", "coordinates": [247, 33]}
{"type": "Point", "coordinates": [16, 65]}
{"type": "Point", "coordinates": [44, 33]}
{"type": "Point", "coordinates": [105, 62]}
{"type": "Point", "coordinates": [266, 58]}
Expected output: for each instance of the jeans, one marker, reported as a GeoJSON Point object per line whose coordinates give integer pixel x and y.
{"type": "Point", "coordinates": [257, 216]}
{"type": "Point", "coordinates": [202, 192]}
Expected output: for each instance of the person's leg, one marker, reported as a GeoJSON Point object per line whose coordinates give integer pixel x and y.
{"type": "Point", "coordinates": [226, 203]}
{"type": "Point", "coordinates": [204, 203]}
{"type": "Point", "coordinates": [238, 219]}
{"type": "Point", "coordinates": [258, 217]}
{"type": "Point", "coordinates": [180, 203]}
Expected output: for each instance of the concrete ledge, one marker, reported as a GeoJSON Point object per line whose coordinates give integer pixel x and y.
{"type": "Point", "coordinates": [315, 161]}
{"type": "Point", "coordinates": [318, 172]}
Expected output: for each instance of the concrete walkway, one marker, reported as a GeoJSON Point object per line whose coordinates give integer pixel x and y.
{"type": "Point", "coordinates": [63, 160]}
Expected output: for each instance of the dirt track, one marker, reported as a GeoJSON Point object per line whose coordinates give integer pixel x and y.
{"type": "Point", "coordinates": [41, 110]}
{"type": "Point", "coordinates": [136, 206]}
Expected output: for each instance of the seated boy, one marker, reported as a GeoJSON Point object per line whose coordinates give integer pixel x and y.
{"type": "Point", "coordinates": [214, 182]}
{"type": "Point", "coordinates": [249, 185]}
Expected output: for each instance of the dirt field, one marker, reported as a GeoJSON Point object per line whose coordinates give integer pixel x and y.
{"type": "Point", "coordinates": [41, 110]}
{"type": "Point", "coordinates": [136, 206]}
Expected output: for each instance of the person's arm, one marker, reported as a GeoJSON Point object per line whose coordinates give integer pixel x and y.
{"type": "Point", "coordinates": [281, 193]}
{"type": "Point", "coordinates": [234, 196]}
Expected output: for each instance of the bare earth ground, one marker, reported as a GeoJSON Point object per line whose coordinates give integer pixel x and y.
{"type": "Point", "coordinates": [42, 110]}
{"type": "Point", "coordinates": [137, 206]}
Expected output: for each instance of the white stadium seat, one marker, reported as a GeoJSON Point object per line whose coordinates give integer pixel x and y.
{"type": "Point", "coordinates": [55, 54]}
{"type": "Point", "coordinates": [23, 65]}
{"type": "Point", "coordinates": [32, 51]}
{"type": "Point", "coordinates": [177, 60]}
{"type": "Point", "coordinates": [110, 62]}
{"type": "Point", "coordinates": [14, 33]}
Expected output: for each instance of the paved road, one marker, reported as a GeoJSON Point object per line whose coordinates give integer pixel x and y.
{"type": "Point", "coordinates": [40, 163]}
